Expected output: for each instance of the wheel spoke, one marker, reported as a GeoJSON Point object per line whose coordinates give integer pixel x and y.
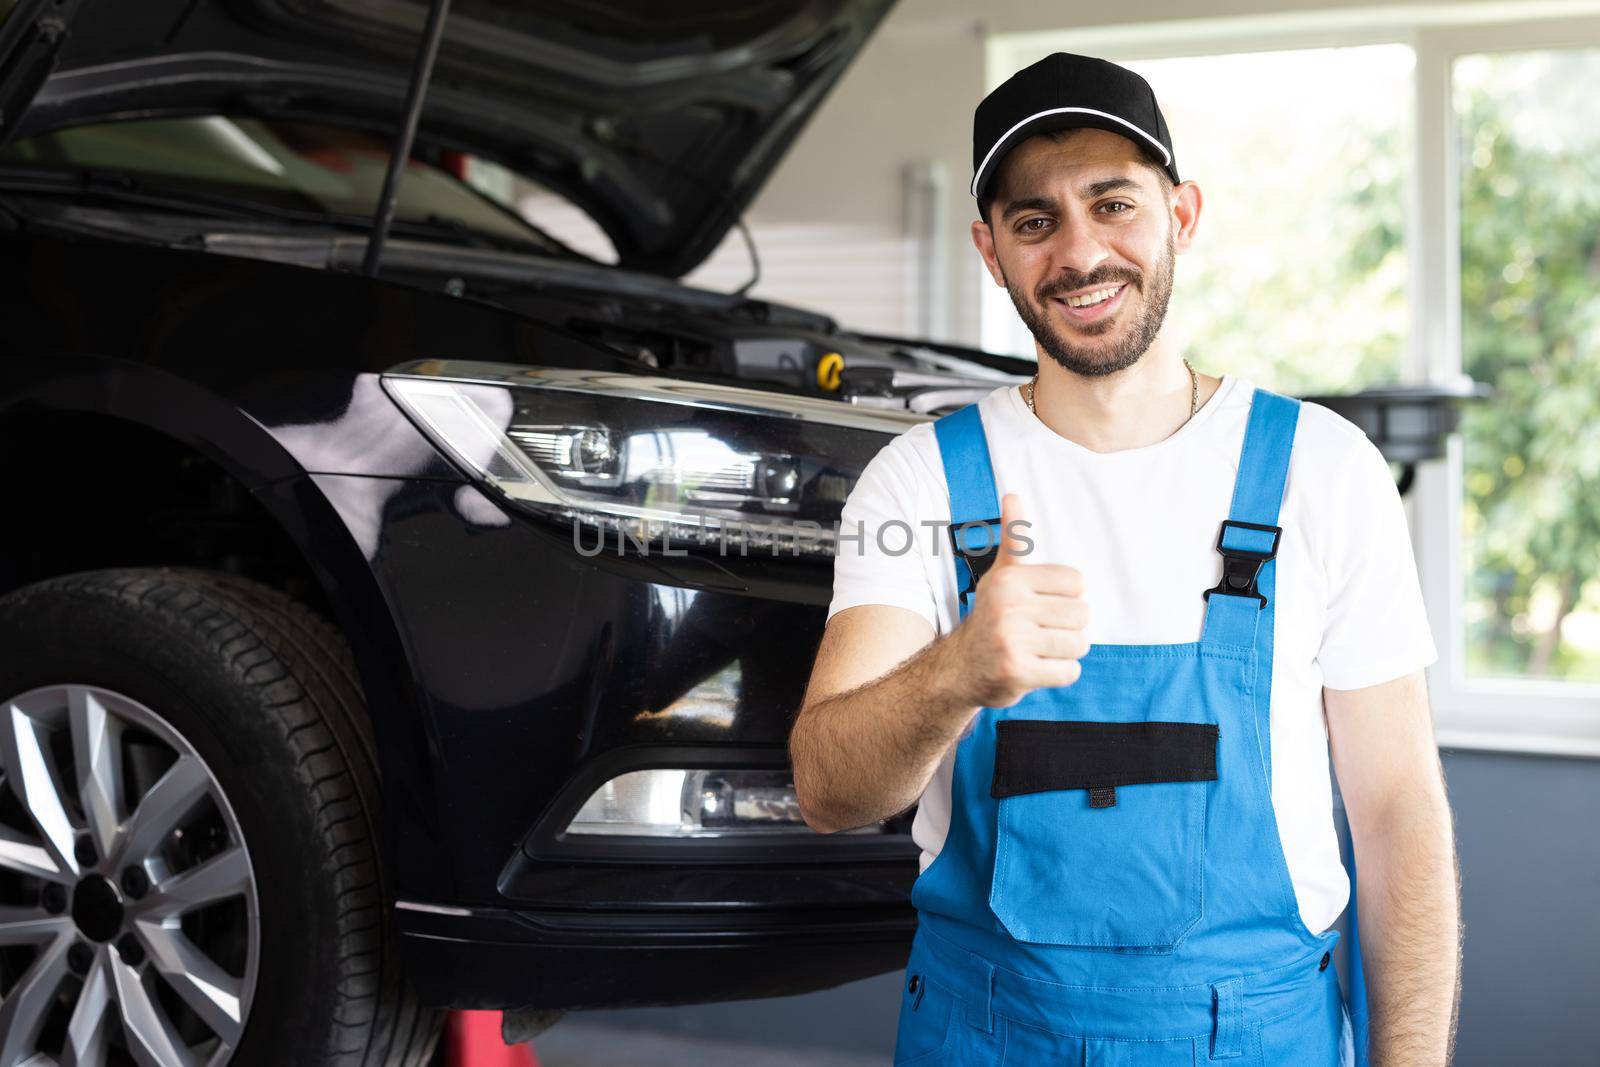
{"type": "Point", "coordinates": [92, 1020]}
{"type": "Point", "coordinates": [29, 926]}
{"type": "Point", "coordinates": [152, 1039]}
{"type": "Point", "coordinates": [21, 856]}
{"type": "Point", "coordinates": [97, 751]}
{"type": "Point", "coordinates": [212, 993]}
{"type": "Point", "coordinates": [161, 809]}
{"type": "Point", "coordinates": [22, 1013]}
{"type": "Point", "coordinates": [223, 876]}
{"type": "Point", "coordinates": [30, 772]}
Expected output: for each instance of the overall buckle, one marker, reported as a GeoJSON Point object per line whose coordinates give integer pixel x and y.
{"type": "Point", "coordinates": [1241, 566]}
{"type": "Point", "coordinates": [978, 564]}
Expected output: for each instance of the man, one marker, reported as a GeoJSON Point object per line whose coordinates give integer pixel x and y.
{"type": "Point", "coordinates": [1129, 854]}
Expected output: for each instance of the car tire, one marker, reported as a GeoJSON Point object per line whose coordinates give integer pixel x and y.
{"type": "Point", "coordinates": [265, 693]}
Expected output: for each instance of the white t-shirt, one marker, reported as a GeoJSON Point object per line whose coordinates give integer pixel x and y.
{"type": "Point", "coordinates": [1141, 525]}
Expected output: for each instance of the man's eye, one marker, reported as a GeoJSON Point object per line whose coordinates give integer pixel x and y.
{"type": "Point", "coordinates": [1029, 227]}
{"type": "Point", "coordinates": [1117, 203]}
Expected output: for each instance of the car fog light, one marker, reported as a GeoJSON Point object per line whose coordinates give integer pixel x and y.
{"type": "Point", "coordinates": [673, 802]}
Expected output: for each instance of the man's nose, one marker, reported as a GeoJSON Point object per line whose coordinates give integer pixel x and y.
{"type": "Point", "coordinates": [1078, 248]}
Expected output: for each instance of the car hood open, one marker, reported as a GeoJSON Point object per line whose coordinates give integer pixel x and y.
{"type": "Point", "coordinates": [661, 120]}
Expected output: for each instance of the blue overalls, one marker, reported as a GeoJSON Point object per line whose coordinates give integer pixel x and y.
{"type": "Point", "coordinates": [1112, 891]}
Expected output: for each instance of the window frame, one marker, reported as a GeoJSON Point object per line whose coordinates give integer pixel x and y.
{"type": "Point", "coordinates": [1550, 717]}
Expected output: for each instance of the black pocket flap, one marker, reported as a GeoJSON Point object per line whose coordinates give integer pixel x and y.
{"type": "Point", "coordinates": [1037, 755]}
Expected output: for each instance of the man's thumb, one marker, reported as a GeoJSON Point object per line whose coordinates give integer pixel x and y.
{"type": "Point", "coordinates": [1014, 545]}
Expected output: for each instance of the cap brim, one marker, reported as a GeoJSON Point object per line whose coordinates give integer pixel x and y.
{"type": "Point", "coordinates": [1068, 118]}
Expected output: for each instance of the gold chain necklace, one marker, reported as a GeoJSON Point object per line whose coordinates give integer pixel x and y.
{"type": "Point", "coordinates": [1194, 392]}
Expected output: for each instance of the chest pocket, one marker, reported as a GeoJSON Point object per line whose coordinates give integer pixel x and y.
{"type": "Point", "coordinates": [1101, 830]}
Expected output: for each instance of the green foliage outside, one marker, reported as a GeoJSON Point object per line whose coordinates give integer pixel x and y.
{"type": "Point", "coordinates": [1530, 299]}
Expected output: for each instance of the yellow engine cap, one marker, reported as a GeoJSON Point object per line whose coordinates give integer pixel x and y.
{"type": "Point", "coordinates": [830, 368]}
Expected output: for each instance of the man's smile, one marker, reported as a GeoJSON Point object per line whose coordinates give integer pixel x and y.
{"type": "Point", "coordinates": [1091, 305]}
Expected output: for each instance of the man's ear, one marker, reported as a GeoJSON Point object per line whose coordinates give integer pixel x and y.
{"type": "Point", "coordinates": [983, 240]}
{"type": "Point", "coordinates": [1186, 204]}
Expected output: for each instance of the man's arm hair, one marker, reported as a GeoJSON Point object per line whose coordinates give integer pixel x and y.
{"type": "Point", "coordinates": [1408, 881]}
{"type": "Point", "coordinates": [878, 717]}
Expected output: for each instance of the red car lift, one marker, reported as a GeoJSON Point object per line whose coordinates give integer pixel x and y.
{"type": "Point", "coordinates": [472, 1039]}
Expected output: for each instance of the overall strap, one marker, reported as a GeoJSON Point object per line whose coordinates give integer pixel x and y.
{"type": "Point", "coordinates": [1239, 608]}
{"type": "Point", "coordinates": [974, 507]}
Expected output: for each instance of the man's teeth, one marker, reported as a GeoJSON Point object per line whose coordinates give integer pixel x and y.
{"type": "Point", "coordinates": [1090, 299]}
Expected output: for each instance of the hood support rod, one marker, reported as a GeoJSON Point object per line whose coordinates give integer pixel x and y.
{"type": "Point", "coordinates": [31, 40]}
{"type": "Point", "coordinates": [383, 217]}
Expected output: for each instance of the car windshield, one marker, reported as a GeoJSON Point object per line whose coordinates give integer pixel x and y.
{"type": "Point", "coordinates": [304, 166]}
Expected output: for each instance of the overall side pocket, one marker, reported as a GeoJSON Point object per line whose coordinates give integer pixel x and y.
{"type": "Point", "coordinates": [928, 1013]}
{"type": "Point", "coordinates": [1101, 830]}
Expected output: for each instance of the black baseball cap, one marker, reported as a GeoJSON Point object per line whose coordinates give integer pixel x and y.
{"type": "Point", "coordinates": [1065, 91]}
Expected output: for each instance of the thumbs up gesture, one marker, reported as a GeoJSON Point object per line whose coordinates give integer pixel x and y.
{"type": "Point", "coordinates": [1025, 630]}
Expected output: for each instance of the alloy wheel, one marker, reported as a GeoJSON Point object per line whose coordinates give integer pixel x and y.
{"type": "Point", "coordinates": [129, 924]}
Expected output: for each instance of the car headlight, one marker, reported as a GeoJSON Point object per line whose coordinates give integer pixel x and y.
{"type": "Point", "coordinates": [654, 460]}
{"type": "Point", "coordinates": [698, 803]}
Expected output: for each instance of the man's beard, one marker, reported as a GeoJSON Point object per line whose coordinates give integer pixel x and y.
{"type": "Point", "coordinates": [1136, 338]}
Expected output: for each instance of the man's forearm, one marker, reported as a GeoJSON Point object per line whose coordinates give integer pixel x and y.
{"type": "Point", "coordinates": [862, 756]}
{"type": "Point", "coordinates": [1409, 905]}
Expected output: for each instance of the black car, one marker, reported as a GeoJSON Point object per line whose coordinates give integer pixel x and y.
{"type": "Point", "coordinates": [395, 625]}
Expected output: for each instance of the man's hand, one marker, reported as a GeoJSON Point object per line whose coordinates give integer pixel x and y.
{"type": "Point", "coordinates": [885, 705]}
{"type": "Point", "coordinates": [1025, 631]}
{"type": "Point", "coordinates": [1393, 788]}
